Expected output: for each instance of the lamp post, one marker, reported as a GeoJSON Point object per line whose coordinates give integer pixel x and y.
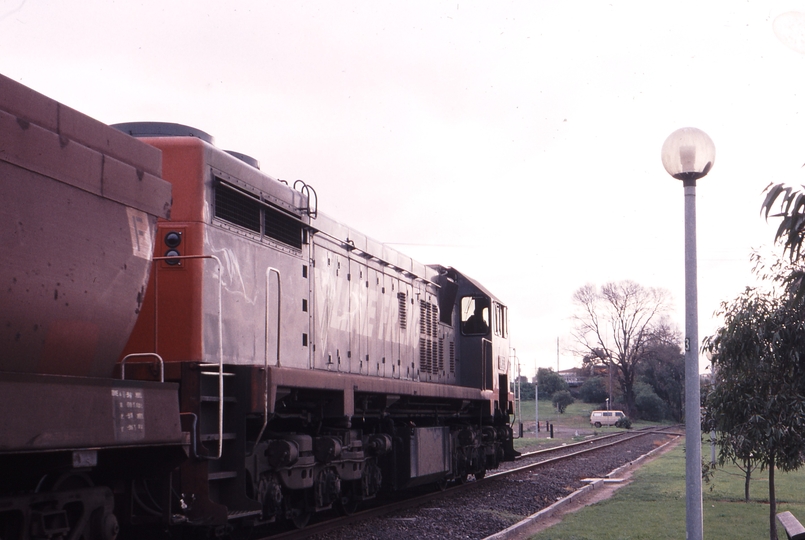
{"type": "Point", "coordinates": [688, 154]}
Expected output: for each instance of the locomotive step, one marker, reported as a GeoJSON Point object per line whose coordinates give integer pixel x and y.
{"type": "Point", "coordinates": [238, 514]}
{"type": "Point", "coordinates": [222, 475]}
{"type": "Point", "coordinates": [214, 437]}
{"type": "Point", "coordinates": [216, 399]}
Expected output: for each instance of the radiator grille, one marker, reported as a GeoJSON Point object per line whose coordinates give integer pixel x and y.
{"type": "Point", "coordinates": [282, 227]}
{"type": "Point", "coordinates": [248, 211]}
{"type": "Point", "coordinates": [241, 209]}
{"type": "Point", "coordinates": [431, 360]}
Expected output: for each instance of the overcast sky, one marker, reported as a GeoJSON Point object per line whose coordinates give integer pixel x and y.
{"type": "Point", "coordinates": [516, 141]}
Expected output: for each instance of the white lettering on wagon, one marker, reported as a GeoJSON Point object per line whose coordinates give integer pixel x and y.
{"type": "Point", "coordinates": [129, 414]}
{"type": "Point", "coordinates": [140, 233]}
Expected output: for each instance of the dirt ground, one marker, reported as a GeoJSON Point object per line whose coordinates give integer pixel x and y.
{"type": "Point", "coordinates": [588, 498]}
{"type": "Point", "coordinates": [566, 434]}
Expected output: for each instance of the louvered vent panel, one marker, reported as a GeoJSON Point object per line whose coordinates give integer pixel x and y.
{"type": "Point", "coordinates": [237, 207]}
{"type": "Point", "coordinates": [429, 356]}
{"type": "Point", "coordinates": [248, 211]}
{"type": "Point", "coordinates": [283, 228]}
{"type": "Point", "coordinates": [403, 316]}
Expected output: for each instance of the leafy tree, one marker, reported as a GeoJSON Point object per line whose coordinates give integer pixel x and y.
{"type": "Point", "coordinates": [663, 367]}
{"type": "Point", "coordinates": [613, 326]}
{"type": "Point", "coordinates": [561, 400]}
{"type": "Point", "coordinates": [549, 382]}
{"type": "Point", "coordinates": [791, 231]}
{"type": "Point", "coordinates": [743, 459]}
{"type": "Point", "coordinates": [594, 390]}
{"type": "Point", "coordinates": [526, 390]}
{"type": "Point", "coordinates": [756, 405]}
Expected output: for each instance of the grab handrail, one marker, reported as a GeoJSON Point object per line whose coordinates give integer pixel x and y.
{"type": "Point", "coordinates": [270, 270]}
{"type": "Point", "coordinates": [220, 342]}
{"type": "Point", "coordinates": [138, 355]}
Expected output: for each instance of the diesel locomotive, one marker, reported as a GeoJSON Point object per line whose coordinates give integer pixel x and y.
{"type": "Point", "coordinates": [187, 342]}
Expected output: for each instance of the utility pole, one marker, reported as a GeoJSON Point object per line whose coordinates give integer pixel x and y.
{"type": "Point", "coordinates": [536, 398]}
{"type": "Point", "coordinates": [557, 354]}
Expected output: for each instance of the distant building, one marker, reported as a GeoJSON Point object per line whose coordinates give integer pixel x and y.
{"type": "Point", "coordinates": [574, 376]}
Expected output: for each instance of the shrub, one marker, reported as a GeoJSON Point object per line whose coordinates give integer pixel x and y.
{"type": "Point", "coordinates": [624, 423]}
{"type": "Point", "coordinates": [561, 400]}
{"type": "Point", "coordinates": [649, 404]}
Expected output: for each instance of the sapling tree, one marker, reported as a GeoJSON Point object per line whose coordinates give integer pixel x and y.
{"type": "Point", "coordinates": [561, 400]}
{"type": "Point", "coordinates": [756, 405]}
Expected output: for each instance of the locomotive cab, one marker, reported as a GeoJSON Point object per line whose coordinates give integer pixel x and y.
{"type": "Point", "coordinates": [482, 338]}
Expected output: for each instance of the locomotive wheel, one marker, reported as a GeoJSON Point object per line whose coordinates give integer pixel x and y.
{"type": "Point", "coordinates": [298, 508]}
{"type": "Point", "coordinates": [480, 475]}
{"type": "Point", "coordinates": [269, 493]}
{"type": "Point", "coordinates": [462, 478]}
{"type": "Point", "coordinates": [300, 517]}
{"type": "Point", "coordinates": [348, 504]}
{"type": "Point", "coordinates": [64, 482]}
{"type": "Point", "coordinates": [441, 484]}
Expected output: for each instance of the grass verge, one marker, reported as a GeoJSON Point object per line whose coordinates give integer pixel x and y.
{"type": "Point", "coordinates": [653, 505]}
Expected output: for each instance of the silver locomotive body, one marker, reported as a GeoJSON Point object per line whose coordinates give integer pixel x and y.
{"type": "Point", "coordinates": [347, 366]}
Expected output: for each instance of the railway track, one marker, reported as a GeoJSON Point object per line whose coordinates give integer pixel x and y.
{"type": "Point", "coordinates": [400, 513]}
{"type": "Point", "coordinates": [540, 458]}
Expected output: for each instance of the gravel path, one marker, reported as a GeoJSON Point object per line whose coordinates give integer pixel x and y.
{"type": "Point", "coordinates": [480, 512]}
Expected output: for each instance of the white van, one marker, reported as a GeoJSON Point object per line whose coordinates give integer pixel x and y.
{"type": "Point", "coordinates": [605, 418]}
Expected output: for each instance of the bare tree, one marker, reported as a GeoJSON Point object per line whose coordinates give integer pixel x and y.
{"type": "Point", "coordinates": [613, 326]}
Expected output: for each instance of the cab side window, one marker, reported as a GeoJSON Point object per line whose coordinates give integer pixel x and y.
{"type": "Point", "coordinates": [475, 315]}
{"type": "Point", "coordinates": [501, 322]}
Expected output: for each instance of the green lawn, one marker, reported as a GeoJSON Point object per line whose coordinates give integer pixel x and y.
{"type": "Point", "coordinates": [653, 505]}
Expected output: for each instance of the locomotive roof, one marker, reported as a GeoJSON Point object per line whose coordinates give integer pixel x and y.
{"type": "Point", "coordinates": [460, 275]}
{"type": "Point", "coordinates": [296, 201]}
{"type": "Point", "coordinates": [371, 248]}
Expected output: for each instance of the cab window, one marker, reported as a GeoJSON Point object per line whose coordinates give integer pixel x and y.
{"type": "Point", "coordinates": [501, 322]}
{"type": "Point", "coordinates": [475, 315]}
